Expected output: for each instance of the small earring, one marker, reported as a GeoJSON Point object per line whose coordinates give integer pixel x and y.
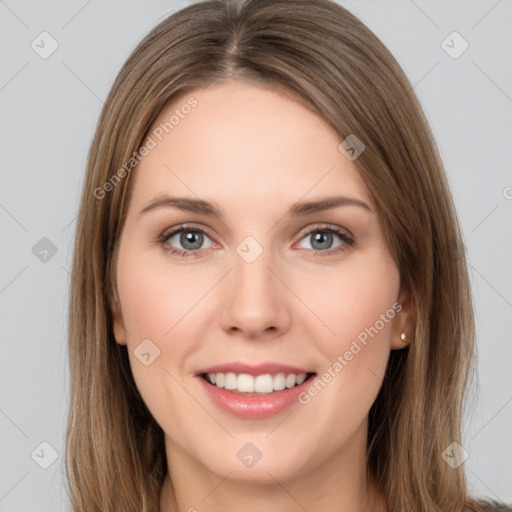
{"type": "Point", "coordinates": [403, 336]}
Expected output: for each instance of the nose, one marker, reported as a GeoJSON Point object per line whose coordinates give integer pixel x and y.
{"type": "Point", "coordinates": [254, 300]}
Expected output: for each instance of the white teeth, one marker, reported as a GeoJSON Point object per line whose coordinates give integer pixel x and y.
{"type": "Point", "coordinates": [291, 380]}
{"type": "Point", "coordinates": [301, 378]}
{"type": "Point", "coordinates": [266, 383]}
{"type": "Point", "coordinates": [245, 383]}
{"type": "Point", "coordinates": [279, 381]}
{"type": "Point", "coordinates": [231, 381]}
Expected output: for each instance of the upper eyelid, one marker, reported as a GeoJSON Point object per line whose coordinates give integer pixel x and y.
{"type": "Point", "coordinates": [327, 227]}
{"type": "Point", "coordinates": [185, 227]}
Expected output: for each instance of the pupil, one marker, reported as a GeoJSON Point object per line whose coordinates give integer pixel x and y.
{"type": "Point", "coordinates": [188, 237]}
{"type": "Point", "coordinates": [326, 238]}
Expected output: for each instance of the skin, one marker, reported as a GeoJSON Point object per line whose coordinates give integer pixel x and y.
{"type": "Point", "coordinates": [254, 153]}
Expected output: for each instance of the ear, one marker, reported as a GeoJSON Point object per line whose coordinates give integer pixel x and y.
{"type": "Point", "coordinates": [117, 321]}
{"type": "Point", "coordinates": [404, 321]}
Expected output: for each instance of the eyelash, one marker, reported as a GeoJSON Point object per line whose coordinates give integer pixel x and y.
{"type": "Point", "coordinates": [162, 240]}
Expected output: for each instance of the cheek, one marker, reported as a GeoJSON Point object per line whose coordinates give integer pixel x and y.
{"type": "Point", "coordinates": [161, 302]}
{"type": "Point", "coordinates": [351, 303]}
{"type": "Point", "coordinates": [158, 304]}
{"type": "Point", "coordinates": [358, 304]}
{"type": "Point", "coordinates": [351, 299]}
{"type": "Point", "coordinates": [156, 296]}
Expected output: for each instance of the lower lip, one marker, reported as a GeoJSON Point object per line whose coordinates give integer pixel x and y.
{"type": "Point", "coordinates": [253, 406]}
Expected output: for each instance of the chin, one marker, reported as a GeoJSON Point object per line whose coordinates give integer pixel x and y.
{"type": "Point", "coordinates": [262, 471]}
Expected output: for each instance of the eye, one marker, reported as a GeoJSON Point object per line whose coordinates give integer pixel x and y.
{"type": "Point", "coordinates": [185, 241]}
{"type": "Point", "coordinates": [321, 239]}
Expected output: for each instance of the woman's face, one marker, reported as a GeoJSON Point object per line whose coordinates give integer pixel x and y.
{"type": "Point", "coordinates": [266, 289]}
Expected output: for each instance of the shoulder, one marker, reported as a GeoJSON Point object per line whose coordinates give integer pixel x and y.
{"type": "Point", "coordinates": [487, 506]}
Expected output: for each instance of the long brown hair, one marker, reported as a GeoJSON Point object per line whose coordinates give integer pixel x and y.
{"type": "Point", "coordinates": [321, 55]}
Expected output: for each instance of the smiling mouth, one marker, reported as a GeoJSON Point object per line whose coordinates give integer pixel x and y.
{"type": "Point", "coordinates": [265, 384]}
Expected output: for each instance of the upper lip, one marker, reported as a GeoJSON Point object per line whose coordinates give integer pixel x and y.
{"type": "Point", "coordinates": [258, 369]}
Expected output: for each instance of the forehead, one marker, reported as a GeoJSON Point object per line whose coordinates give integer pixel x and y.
{"type": "Point", "coordinates": [247, 144]}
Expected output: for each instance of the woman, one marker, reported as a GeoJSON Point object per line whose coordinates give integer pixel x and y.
{"type": "Point", "coordinates": [269, 310]}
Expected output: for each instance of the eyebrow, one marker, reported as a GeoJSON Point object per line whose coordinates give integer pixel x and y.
{"type": "Point", "coordinates": [299, 209]}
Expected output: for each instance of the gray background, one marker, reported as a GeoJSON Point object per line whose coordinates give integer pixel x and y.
{"type": "Point", "coordinates": [49, 111]}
